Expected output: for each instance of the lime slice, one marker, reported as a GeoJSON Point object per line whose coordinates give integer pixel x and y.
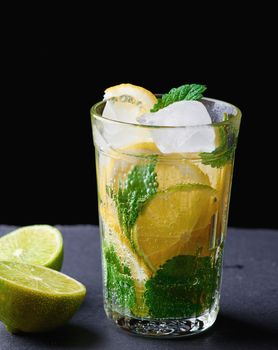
{"type": "Point", "coordinates": [114, 236]}
{"type": "Point", "coordinates": [35, 298]}
{"type": "Point", "coordinates": [140, 273]}
{"type": "Point", "coordinates": [167, 222]}
{"type": "Point", "coordinates": [37, 245]}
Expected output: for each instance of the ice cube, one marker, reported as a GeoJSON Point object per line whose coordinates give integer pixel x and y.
{"type": "Point", "coordinates": [194, 135]}
{"type": "Point", "coordinates": [124, 135]}
{"type": "Point", "coordinates": [121, 110]}
{"type": "Point", "coordinates": [181, 113]}
{"type": "Point", "coordinates": [120, 135]}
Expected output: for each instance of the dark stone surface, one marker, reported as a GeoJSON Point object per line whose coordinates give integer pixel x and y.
{"type": "Point", "coordinates": [249, 304]}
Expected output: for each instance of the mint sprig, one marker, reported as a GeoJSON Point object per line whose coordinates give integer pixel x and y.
{"type": "Point", "coordinates": [184, 92]}
{"type": "Point", "coordinates": [139, 186]}
{"type": "Point", "coordinates": [184, 286]}
{"type": "Point", "coordinates": [120, 286]}
{"type": "Point", "coordinates": [225, 152]}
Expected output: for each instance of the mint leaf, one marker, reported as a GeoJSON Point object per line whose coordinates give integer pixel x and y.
{"type": "Point", "coordinates": [224, 153]}
{"type": "Point", "coordinates": [120, 286]}
{"type": "Point", "coordinates": [139, 187]}
{"type": "Point", "coordinates": [184, 286]}
{"type": "Point", "coordinates": [184, 92]}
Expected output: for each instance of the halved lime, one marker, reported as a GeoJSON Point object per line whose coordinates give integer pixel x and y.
{"type": "Point", "coordinates": [37, 245]}
{"type": "Point", "coordinates": [35, 298]}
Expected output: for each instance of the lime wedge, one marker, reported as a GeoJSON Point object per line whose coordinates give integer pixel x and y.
{"type": "Point", "coordinates": [35, 298]}
{"type": "Point", "coordinates": [36, 245]}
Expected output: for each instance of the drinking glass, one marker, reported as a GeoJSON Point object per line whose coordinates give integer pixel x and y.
{"type": "Point", "coordinates": [163, 214]}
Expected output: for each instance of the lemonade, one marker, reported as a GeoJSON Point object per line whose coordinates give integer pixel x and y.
{"type": "Point", "coordinates": [164, 169]}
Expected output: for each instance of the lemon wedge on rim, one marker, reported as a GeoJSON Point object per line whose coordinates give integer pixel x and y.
{"type": "Point", "coordinates": [140, 94]}
{"type": "Point", "coordinates": [126, 102]}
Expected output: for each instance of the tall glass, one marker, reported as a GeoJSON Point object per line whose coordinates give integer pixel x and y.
{"type": "Point", "coordinates": [163, 219]}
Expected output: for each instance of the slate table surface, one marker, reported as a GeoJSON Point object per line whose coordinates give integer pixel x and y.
{"type": "Point", "coordinates": [249, 302]}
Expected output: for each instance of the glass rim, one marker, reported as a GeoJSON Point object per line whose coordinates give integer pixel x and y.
{"type": "Point", "coordinates": [96, 115]}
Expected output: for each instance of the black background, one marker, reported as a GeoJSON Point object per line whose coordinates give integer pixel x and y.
{"type": "Point", "coordinates": [56, 64]}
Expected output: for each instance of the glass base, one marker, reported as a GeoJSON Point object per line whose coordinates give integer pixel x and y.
{"type": "Point", "coordinates": [165, 328]}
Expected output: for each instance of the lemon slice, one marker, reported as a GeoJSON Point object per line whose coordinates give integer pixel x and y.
{"type": "Point", "coordinates": [126, 102]}
{"type": "Point", "coordinates": [176, 173]}
{"type": "Point", "coordinates": [142, 95]}
{"type": "Point", "coordinates": [168, 220]}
